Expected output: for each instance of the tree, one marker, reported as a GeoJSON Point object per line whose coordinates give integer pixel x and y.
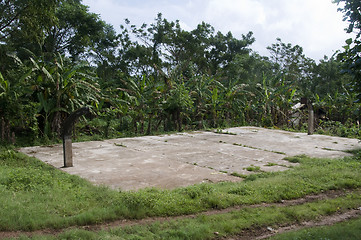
{"type": "Point", "coordinates": [72, 30]}
{"type": "Point", "coordinates": [292, 66]}
{"type": "Point", "coordinates": [352, 51]}
{"type": "Point", "coordinates": [165, 46]}
{"type": "Point", "coordinates": [27, 16]}
{"type": "Point", "coordinates": [60, 87]}
{"type": "Point", "coordinates": [78, 31]}
{"type": "Point", "coordinates": [23, 23]}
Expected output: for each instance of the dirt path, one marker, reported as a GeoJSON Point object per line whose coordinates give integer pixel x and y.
{"type": "Point", "coordinates": [264, 233]}
{"type": "Point", "coordinates": [255, 233]}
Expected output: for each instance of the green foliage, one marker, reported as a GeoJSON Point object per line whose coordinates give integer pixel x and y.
{"type": "Point", "coordinates": [30, 17]}
{"type": "Point", "coordinates": [338, 129]}
{"type": "Point", "coordinates": [351, 54]}
{"type": "Point", "coordinates": [253, 168]}
{"type": "Point", "coordinates": [154, 78]}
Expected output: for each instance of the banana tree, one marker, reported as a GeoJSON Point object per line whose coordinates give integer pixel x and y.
{"type": "Point", "coordinates": [143, 95]}
{"type": "Point", "coordinates": [8, 107]}
{"type": "Point", "coordinates": [60, 88]}
{"type": "Point", "coordinates": [178, 103]}
{"type": "Point", "coordinates": [201, 93]}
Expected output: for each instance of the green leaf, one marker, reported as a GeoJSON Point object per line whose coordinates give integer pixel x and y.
{"type": "Point", "coordinates": [349, 41]}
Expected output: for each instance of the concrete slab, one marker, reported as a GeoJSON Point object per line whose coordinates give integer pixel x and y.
{"type": "Point", "coordinates": [182, 159]}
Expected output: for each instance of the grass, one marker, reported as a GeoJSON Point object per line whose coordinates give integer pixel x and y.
{"type": "Point", "coordinates": [220, 131]}
{"type": "Point", "coordinates": [235, 174]}
{"type": "Point", "coordinates": [270, 164]}
{"type": "Point", "coordinates": [253, 168]}
{"type": "Point", "coordinates": [34, 195]}
{"type": "Point", "coordinates": [119, 145]}
{"type": "Point", "coordinates": [350, 230]}
{"type": "Point", "coordinates": [224, 224]}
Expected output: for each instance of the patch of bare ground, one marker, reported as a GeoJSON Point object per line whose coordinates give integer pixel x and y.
{"type": "Point", "coordinates": [253, 233]}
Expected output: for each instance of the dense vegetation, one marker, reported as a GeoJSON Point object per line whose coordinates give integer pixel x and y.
{"type": "Point", "coordinates": [56, 57]}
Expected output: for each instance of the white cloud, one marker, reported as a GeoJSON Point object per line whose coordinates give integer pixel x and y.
{"type": "Point", "coordinates": [314, 25]}
{"type": "Point", "coordinates": [235, 15]}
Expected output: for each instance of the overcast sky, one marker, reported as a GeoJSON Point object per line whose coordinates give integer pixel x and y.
{"type": "Point", "coordinates": [315, 25]}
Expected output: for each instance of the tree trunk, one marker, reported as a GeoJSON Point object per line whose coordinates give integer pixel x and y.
{"type": "Point", "coordinates": [142, 126]}
{"type": "Point", "coordinates": [13, 139]}
{"type": "Point", "coordinates": [149, 124]}
{"type": "Point", "coordinates": [310, 119]}
{"type": "Point", "coordinates": [2, 129]}
{"type": "Point", "coordinates": [135, 126]}
{"type": "Point", "coordinates": [158, 124]}
{"type": "Point", "coordinates": [56, 126]}
{"type": "Point", "coordinates": [179, 120]}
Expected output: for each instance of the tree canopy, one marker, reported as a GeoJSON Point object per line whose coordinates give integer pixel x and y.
{"type": "Point", "coordinates": [56, 56]}
{"type": "Point", "coordinates": [352, 51]}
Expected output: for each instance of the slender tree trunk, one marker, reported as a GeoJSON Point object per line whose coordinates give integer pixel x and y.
{"type": "Point", "coordinates": [214, 118]}
{"type": "Point", "coordinates": [2, 129]}
{"type": "Point", "coordinates": [57, 117]}
{"type": "Point", "coordinates": [8, 132]}
{"type": "Point", "coordinates": [149, 124]}
{"type": "Point", "coordinates": [142, 126]}
{"type": "Point", "coordinates": [200, 122]}
{"type": "Point", "coordinates": [13, 139]}
{"type": "Point", "coordinates": [6, 135]}
{"type": "Point", "coordinates": [135, 126]}
{"type": "Point", "coordinates": [158, 124]}
{"type": "Point", "coordinates": [165, 127]}
{"type": "Point", "coordinates": [179, 120]}
{"type": "Point", "coordinates": [56, 126]}
{"type": "Point", "coordinates": [310, 119]}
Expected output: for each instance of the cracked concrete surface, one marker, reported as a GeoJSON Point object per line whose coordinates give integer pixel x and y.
{"type": "Point", "coordinates": [182, 159]}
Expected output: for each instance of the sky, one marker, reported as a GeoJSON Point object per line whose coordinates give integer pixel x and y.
{"type": "Point", "coordinates": [315, 25]}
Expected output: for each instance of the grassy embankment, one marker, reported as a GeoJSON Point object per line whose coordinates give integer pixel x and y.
{"type": "Point", "coordinates": [35, 196]}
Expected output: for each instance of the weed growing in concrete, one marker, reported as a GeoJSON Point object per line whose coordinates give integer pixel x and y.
{"type": "Point", "coordinates": [119, 144]}
{"type": "Point", "coordinates": [238, 175]}
{"type": "Point", "coordinates": [253, 168]}
{"type": "Point", "coordinates": [270, 164]}
{"type": "Point", "coordinates": [220, 131]}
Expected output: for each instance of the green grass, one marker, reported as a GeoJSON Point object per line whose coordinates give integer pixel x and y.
{"type": "Point", "coordinates": [119, 145]}
{"type": "Point", "coordinates": [350, 230]}
{"type": "Point", "coordinates": [223, 224]}
{"type": "Point", "coordinates": [270, 164]}
{"type": "Point", "coordinates": [220, 131]}
{"type": "Point", "coordinates": [253, 168]}
{"type": "Point", "coordinates": [239, 175]}
{"type": "Point", "coordinates": [34, 195]}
